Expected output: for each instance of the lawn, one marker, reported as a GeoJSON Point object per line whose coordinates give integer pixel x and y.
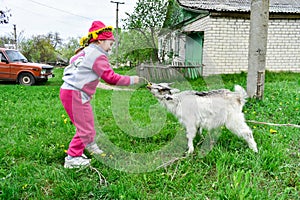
{"type": "Point", "coordinates": [144, 153]}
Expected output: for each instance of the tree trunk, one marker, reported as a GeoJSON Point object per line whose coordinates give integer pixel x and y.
{"type": "Point", "coordinates": [258, 38]}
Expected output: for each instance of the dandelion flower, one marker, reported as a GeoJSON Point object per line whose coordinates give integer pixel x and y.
{"type": "Point", "coordinates": [272, 131]}
{"type": "Point", "coordinates": [65, 120]}
{"type": "Point", "coordinates": [24, 186]}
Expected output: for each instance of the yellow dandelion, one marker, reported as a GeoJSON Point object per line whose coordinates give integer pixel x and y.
{"type": "Point", "coordinates": [254, 127]}
{"type": "Point", "coordinates": [272, 131]}
{"type": "Point", "coordinates": [65, 120]}
{"type": "Point", "coordinates": [103, 154]}
{"type": "Point", "coordinates": [65, 151]}
{"type": "Point", "coordinates": [24, 186]}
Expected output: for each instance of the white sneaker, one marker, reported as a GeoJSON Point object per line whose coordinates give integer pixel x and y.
{"type": "Point", "coordinates": [93, 149]}
{"type": "Point", "coordinates": [76, 162]}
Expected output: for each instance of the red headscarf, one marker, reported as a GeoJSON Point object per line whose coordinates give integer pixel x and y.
{"type": "Point", "coordinates": [98, 31]}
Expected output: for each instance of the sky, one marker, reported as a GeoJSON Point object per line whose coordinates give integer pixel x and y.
{"type": "Point", "coordinates": [70, 18]}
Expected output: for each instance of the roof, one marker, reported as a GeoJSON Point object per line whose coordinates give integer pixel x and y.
{"type": "Point", "coordinates": [276, 6]}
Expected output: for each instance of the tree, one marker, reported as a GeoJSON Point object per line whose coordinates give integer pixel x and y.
{"type": "Point", "coordinates": [10, 38]}
{"type": "Point", "coordinates": [38, 49]}
{"type": "Point", "coordinates": [5, 40]}
{"type": "Point", "coordinates": [257, 48]}
{"type": "Point", "coordinates": [67, 50]}
{"type": "Point", "coordinates": [132, 48]}
{"type": "Point", "coordinates": [147, 21]}
{"type": "Point", "coordinates": [55, 39]}
{"type": "Point", "coordinates": [49, 48]}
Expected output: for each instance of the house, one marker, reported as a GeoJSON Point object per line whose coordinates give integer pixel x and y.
{"type": "Point", "coordinates": [215, 34]}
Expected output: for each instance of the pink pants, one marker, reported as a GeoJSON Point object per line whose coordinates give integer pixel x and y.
{"type": "Point", "coordinates": [82, 117]}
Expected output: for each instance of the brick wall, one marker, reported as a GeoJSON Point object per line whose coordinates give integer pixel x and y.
{"type": "Point", "coordinates": [284, 45]}
{"type": "Point", "coordinates": [226, 42]}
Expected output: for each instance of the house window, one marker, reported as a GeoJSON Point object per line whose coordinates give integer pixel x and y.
{"type": "Point", "coordinates": [160, 46]}
{"type": "Point", "coordinates": [177, 41]}
{"type": "Point", "coordinates": [170, 44]}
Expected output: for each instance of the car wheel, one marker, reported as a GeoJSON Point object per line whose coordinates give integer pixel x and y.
{"type": "Point", "coordinates": [26, 79]}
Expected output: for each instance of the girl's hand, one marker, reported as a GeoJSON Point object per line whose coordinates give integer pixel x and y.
{"type": "Point", "coordinates": [136, 79]}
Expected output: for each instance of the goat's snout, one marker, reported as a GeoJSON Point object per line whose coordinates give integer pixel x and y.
{"type": "Point", "coordinates": [149, 85]}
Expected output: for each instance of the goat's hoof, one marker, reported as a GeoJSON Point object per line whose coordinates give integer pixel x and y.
{"type": "Point", "coordinates": [255, 150]}
{"type": "Point", "coordinates": [190, 151]}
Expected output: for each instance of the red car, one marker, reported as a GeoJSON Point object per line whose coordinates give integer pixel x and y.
{"type": "Point", "coordinates": [14, 66]}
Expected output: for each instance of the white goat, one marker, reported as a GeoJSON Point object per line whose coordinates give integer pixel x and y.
{"type": "Point", "coordinates": [208, 110]}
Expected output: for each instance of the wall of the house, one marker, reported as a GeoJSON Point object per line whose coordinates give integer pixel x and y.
{"type": "Point", "coordinates": [226, 43]}
{"type": "Point", "coordinates": [284, 45]}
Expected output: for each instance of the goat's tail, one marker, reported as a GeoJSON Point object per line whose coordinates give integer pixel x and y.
{"type": "Point", "coordinates": [242, 94]}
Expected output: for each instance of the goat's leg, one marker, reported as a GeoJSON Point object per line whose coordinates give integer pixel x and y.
{"type": "Point", "coordinates": [200, 131]}
{"type": "Point", "coordinates": [190, 134]}
{"type": "Point", "coordinates": [241, 129]}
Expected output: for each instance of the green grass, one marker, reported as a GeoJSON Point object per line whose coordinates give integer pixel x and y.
{"type": "Point", "coordinates": [35, 133]}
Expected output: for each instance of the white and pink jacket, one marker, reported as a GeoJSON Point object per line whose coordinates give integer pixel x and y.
{"type": "Point", "coordinates": [86, 68]}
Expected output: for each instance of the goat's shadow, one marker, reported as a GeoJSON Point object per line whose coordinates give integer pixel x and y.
{"type": "Point", "coordinates": [206, 140]}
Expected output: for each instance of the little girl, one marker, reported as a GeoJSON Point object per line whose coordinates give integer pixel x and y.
{"type": "Point", "coordinates": [81, 78]}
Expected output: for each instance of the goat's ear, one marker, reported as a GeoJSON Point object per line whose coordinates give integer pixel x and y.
{"type": "Point", "coordinates": [173, 91]}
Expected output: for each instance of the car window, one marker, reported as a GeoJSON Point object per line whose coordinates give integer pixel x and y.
{"type": "Point", "coordinates": [15, 56]}
{"type": "Point", "coordinates": [2, 57]}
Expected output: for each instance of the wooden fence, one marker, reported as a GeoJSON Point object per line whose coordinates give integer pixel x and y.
{"type": "Point", "coordinates": [160, 73]}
